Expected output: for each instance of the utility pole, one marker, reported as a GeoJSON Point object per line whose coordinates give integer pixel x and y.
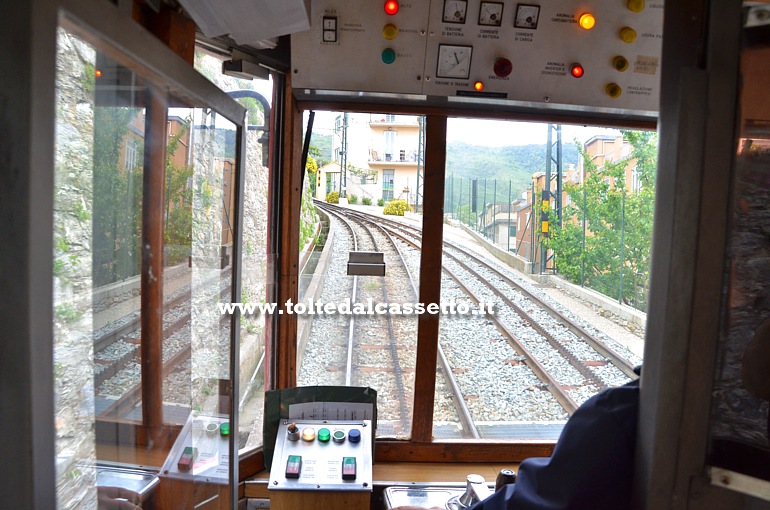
{"type": "Point", "coordinates": [551, 159]}
{"type": "Point", "coordinates": [420, 152]}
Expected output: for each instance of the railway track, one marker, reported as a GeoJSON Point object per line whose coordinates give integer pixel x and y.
{"type": "Point", "coordinates": [125, 394]}
{"type": "Point", "coordinates": [557, 333]}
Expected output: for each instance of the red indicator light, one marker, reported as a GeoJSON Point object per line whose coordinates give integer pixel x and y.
{"type": "Point", "coordinates": [478, 86]}
{"type": "Point", "coordinates": [576, 70]}
{"type": "Point", "coordinates": [391, 7]}
{"type": "Point", "coordinates": [97, 73]}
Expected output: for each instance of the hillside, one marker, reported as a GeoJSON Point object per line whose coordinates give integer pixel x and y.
{"type": "Point", "coordinates": [516, 163]}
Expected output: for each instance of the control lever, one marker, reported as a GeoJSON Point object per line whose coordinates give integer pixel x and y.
{"type": "Point", "coordinates": [476, 490]}
{"type": "Point", "coordinates": [504, 477]}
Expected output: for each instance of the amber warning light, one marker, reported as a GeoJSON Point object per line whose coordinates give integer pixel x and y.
{"type": "Point", "coordinates": [479, 86]}
{"type": "Point", "coordinates": [391, 7]}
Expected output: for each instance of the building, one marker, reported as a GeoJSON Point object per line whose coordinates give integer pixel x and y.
{"type": "Point", "coordinates": [383, 155]}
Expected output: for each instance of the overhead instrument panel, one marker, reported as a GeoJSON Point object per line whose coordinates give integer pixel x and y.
{"type": "Point", "coordinates": [601, 57]}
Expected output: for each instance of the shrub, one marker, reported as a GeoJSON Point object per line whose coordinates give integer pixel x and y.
{"type": "Point", "coordinates": [352, 199]}
{"type": "Point", "coordinates": [366, 201]}
{"type": "Point", "coordinates": [380, 202]}
{"type": "Point", "coordinates": [333, 197]}
{"type": "Point", "coordinates": [396, 207]}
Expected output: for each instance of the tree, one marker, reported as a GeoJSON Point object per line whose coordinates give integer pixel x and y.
{"type": "Point", "coordinates": [613, 222]}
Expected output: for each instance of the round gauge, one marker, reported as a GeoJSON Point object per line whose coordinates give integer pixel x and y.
{"type": "Point", "coordinates": [454, 11]}
{"type": "Point", "coordinates": [491, 14]}
{"type": "Point", "coordinates": [526, 16]}
{"type": "Point", "coordinates": [454, 61]}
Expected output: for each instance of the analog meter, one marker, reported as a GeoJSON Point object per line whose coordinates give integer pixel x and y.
{"type": "Point", "coordinates": [454, 61]}
{"type": "Point", "coordinates": [526, 16]}
{"type": "Point", "coordinates": [454, 11]}
{"type": "Point", "coordinates": [491, 14]}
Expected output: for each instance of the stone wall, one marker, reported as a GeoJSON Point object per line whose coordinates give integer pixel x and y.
{"type": "Point", "coordinates": [73, 325]}
{"type": "Point", "coordinates": [737, 414]}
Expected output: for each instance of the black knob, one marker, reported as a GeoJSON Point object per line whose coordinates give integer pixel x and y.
{"type": "Point", "coordinates": [505, 477]}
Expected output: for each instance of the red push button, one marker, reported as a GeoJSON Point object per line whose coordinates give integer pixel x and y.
{"type": "Point", "coordinates": [503, 67]}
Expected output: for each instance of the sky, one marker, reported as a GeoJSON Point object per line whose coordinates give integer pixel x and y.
{"type": "Point", "coordinates": [495, 133]}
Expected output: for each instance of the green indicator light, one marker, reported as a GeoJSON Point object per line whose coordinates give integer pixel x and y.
{"type": "Point", "coordinates": [224, 429]}
{"type": "Point", "coordinates": [324, 435]}
{"type": "Point", "coordinates": [388, 55]}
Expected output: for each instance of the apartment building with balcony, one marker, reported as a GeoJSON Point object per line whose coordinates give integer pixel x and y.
{"type": "Point", "coordinates": [382, 155]}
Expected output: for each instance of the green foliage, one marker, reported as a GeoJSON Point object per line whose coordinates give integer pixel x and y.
{"type": "Point", "coordinates": [321, 148]}
{"type": "Point", "coordinates": [352, 199]}
{"type": "Point", "coordinates": [117, 197]}
{"type": "Point", "coordinates": [308, 220]}
{"type": "Point", "coordinates": [89, 78]}
{"type": "Point", "coordinates": [333, 197]}
{"type": "Point", "coordinates": [618, 225]}
{"type": "Point", "coordinates": [178, 229]}
{"type": "Point", "coordinates": [512, 163]}
{"type": "Point", "coordinates": [80, 211]}
{"type": "Point", "coordinates": [366, 201]}
{"type": "Point", "coordinates": [396, 207]}
{"type": "Point", "coordinates": [67, 313]}
{"type": "Point", "coordinates": [380, 202]}
{"type": "Point", "coordinates": [253, 110]}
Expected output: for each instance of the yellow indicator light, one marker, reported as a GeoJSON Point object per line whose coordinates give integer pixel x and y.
{"type": "Point", "coordinates": [308, 434]}
{"type": "Point", "coordinates": [390, 31]}
{"type": "Point", "coordinates": [587, 21]}
{"type": "Point", "coordinates": [635, 5]}
{"type": "Point", "coordinates": [478, 86]}
{"type": "Point", "coordinates": [620, 63]}
{"type": "Point", "coordinates": [97, 73]}
{"type": "Point", "coordinates": [544, 228]}
{"type": "Point", "coordinates": [628, 34]}
{"type": "Point", "coordinates": [613, 90]}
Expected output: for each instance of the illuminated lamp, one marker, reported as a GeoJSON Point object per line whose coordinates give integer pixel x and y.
{"type": "Point", "coordinates": [587, 21]}
{"type": "Point", "coordinates": [391, 7]}
{"type": "Point", "coordinates": [576, 70]}
{"type": "Point", "coordinates": [98, 73]}
{"type": "Point", "coordinates": [478, 86]}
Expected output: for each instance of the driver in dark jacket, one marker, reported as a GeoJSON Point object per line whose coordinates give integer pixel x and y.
{"type": "Point", "coordinates": [592, 464]}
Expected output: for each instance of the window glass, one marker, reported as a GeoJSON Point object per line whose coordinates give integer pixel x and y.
{"type": "Point", "coordinates": [519, 372]}
{"type": "Point", "coordinates": [740, 422]}
{"type": "Point", "coordinates": [143, 244]}
{"type": "Point", "coordinates": [256, 263]}
{"type": "Point", "coordinates": [374, 348]}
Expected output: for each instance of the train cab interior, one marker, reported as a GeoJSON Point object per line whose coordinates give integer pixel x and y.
{"type": "Point", "coordinates": [159, 164]}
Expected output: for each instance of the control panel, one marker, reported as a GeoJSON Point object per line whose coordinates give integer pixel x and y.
{"type": "Point", "coordinates": [601, 54]}
{"type": "Point", "coordinates": [323, 455]}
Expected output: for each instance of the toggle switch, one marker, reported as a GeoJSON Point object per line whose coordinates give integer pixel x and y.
{"type": "Point", "coordinates": [293, 466]}
{"type": "Point", "coordinates": [348, 468]}
{"type": "Point", "coordinates": [292, 432]}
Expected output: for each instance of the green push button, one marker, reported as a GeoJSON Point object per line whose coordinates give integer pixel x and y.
{"type": "Point", "coordinates": [388, 56]}
{"type": "Point", "coordinates": [324, 435]}
{"type": "Point", "coordinates": [224, 429]}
